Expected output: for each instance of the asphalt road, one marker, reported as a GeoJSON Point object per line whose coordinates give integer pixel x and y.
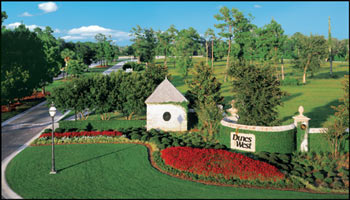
{"type": "Point", "coordinates": [21, 130]}
{"type": "Point", "coordinates": [16, 133]}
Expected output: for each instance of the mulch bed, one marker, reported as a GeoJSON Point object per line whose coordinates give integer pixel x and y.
{"type": "Point", "coordinates": [36, 95]}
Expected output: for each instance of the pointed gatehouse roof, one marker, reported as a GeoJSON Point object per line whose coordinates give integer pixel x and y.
{"type": "Point", "coordinates": [165, 92]}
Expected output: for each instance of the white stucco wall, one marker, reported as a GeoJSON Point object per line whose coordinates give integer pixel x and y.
{"type": "Point", "coordinates": [177, 122]}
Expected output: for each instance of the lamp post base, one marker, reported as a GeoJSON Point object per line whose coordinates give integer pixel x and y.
{"type": "Point", "coordinates": [53, 172]}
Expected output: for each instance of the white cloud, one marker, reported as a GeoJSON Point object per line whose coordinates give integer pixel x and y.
{"type": "Point", "coordinates": [26, 14]}
{"type": "Point", "coordinates": [48, 7]}
{"type": "Point", "coordinates": [69, 37]}
{"type": "Point", "coordinates": [89, 32]}
{"type": "Point", "coordinates": [57, 30]}
{"type": "Point", "coordinates": [257, 6]}
{"type": "Point", "coordinates": [30, 27]}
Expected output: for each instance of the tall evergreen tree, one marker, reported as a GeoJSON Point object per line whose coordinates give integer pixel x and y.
{"type": "Point", "coordinates": [226, 31]}
{"type": "Point", "coordinates": [257, 94]}
{"type": "Point", "coordinates": [205, 96]}
{"type": "Point", "coordinates": [330, 46]}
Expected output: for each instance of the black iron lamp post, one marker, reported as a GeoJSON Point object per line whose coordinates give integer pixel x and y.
{"type": "Point", "coordinates": [52, 112]}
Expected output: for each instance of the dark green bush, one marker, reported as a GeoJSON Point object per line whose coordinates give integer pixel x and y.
{"type": "Point", "coordinates": [48, 130]}
{"type": "Point", "coordinates": [310, 180]}
{"type": "Point", "coordinates": [135, 136]}
{"type": "Point", "coordinates": [105, 125]}
{"type": "Point", "coordinates": [338, 184]}
{"type": "Point", "coordinates": [127, 65]}
{"type": "Point", "coordinates": [319, 175]}
{"type": "Point", "coordinates": [155, 140]}
{"type": "Point", "coordinates": [295, 173]}
{"type": "Point", "coordinates": [328, 180]}
{"type": "Point", "coordinates": [166, 140]}
{"type": "Point", "coordinates": [60, 130]}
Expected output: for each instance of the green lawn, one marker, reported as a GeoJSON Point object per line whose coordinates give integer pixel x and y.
{"type": "Point", "coordinates": [317, 96]}
{"type": "Point", "coordinates": [91, 171]}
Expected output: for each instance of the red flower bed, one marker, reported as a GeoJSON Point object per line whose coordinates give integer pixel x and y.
{"type": "Point", "coordinates": [100, 66]}
{"type": "Point", "coordinates": [214, 162]}
{"type": "Point", "coordinates": [83, 133]}
{"type": "Point", "coordinates": [37, 95]}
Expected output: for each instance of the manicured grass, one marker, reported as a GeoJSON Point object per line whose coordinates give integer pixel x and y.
{"type": "Point", "coordinates": [26, 104]}
{"type": "Point", "coordinates": [317, 96]}
{"type": "Point", "coordinates": [91, 171]}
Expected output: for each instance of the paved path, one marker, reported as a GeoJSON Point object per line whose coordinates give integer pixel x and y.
{"type": "Point", "coordinates": [19, 130]}
{"type": "Point", "coordinates": [117, 67]}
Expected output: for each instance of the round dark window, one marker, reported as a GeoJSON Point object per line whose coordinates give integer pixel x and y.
{"type": "Point", "coordinates": [166, 116]}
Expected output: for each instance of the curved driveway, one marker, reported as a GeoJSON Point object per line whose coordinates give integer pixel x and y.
{"type": "Point", "coordinates": [20, 129]}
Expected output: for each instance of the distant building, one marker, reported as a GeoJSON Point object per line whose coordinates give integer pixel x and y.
{"type": "Point", "coordinates": [165, 110]}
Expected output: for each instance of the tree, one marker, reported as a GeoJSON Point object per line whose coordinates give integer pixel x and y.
{"type": "Point", "coordinates": [164, 39]}
{"type": "Point", "coordinates": [270, 44]}
{"type": "Point", "coordinates": [74, 95]}
{"type": "Point", "coordinates": [204, 95]}
{"type": "Point", "coordinates": [172, 34]}
{"type": "Point", "coordinates": [85, 51]}
{"type": "Point", "coordinates": [66, 55]}
{"type": "Point", "coordinates": [226, 31]}
{"type": "Point", "coordinates": [242, 29]}
{"type": "Point", "coordinates": [203, 86]}
{"type": "Point", "coordinates": [330, 53]}
{"type": "Point", "coordinates": [3, 17]}
{"type": "Point", "coordinates": [335, 132]}
{"type": "Point", "coordinates": [220, 49]}
{"type": "Point", "coordinates": [76, 67]}
{"type": "Point", "coordinates": [145, 44]}
{"type": "Point", "coordinates": [52, 55]}
{"type": "Point", "coordinates": [310, 52]}
{"type": "Point", "coordinates": [209, 115]}
{"type": "Point", "coordinates": [187, 42]}
{"type": "Point", "coordinates": [104, 50]}
{"type": "Point", "coordinates": [257, 95]}
{"type": "Point", "coordinates": [155, 74]}
{"type": "Point", "coordinates": [20, 73]}
{"type": "Point", "coordinates": [100, 95]}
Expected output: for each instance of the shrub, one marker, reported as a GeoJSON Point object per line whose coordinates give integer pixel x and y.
{"type": "Point", "coordinates": [127, 66]}
{"type": "Point", "coordinates": [48, 130]}
{"type": "Point", "coordinates": [328, 180]}
{"type": "Point", "coordinates": [135, 136]}
{"type": "Point", "coordinates": [338, 184]}
{"type": "Point", "coordinates": [59, 130]}
{"type": "Point", "coordinates": [99, 124]}
{"type": "Point", "coordinates": [319, 175]}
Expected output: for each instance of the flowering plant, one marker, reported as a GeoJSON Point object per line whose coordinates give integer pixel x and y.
{"type": "Point", "coordinates": [219, 163]}
{"type": "Point", "coordinates": [83, 133]}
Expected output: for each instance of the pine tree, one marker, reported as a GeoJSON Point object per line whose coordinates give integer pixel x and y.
{"type": "Point", "coordinates": [257, 95]}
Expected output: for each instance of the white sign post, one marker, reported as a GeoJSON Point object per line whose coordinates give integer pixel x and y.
{"type": "Point", "coordinates": [243, 141]}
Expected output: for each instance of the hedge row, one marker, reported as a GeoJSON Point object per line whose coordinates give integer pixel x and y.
{"type": "Point", "coordinates": [102, 125]}
{"type": "Point", "coordinates": [281, 142]}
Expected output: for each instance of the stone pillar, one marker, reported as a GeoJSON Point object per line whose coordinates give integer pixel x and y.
{"type": "Point", "coordinates": [302, 124]}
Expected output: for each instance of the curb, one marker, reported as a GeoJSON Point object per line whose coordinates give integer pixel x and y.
{"type": "Point", "coordinates": [6, 191]}
{"type": "Point", "coordinates": [21, 114]}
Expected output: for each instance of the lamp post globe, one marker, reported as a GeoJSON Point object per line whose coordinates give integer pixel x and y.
{"type": "Point", "coordinates": [52, 112]}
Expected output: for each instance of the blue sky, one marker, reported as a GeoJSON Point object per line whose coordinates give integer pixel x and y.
{"type": "Point", "coordinates": [80, 21]}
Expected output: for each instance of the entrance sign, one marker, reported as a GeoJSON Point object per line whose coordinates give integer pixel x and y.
{"type": "Point", "coordinates": [243, 141]}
